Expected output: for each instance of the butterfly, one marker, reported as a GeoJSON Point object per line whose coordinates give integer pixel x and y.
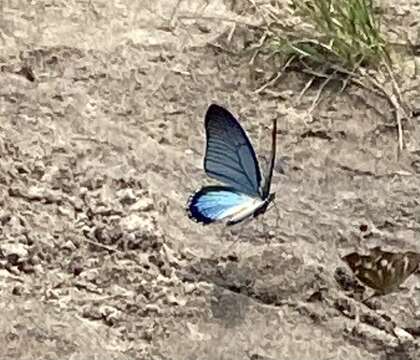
{"type": "Point", "coordinates": [230, 159]}
{"type": "Point", "coordinates": [383, 271]}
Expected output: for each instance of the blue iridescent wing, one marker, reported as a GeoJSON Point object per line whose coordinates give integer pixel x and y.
{"type": "Point", "coordinates": [230, 157]}
{"type": "Point", "coordinates": [216, 203]}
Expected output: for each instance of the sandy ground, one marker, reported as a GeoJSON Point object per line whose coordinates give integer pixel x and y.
{"type": "Point", "coordinates": [101, 148]}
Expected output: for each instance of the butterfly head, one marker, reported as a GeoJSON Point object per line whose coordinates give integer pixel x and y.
{"type": "Point", "coordinates": [267, 202]}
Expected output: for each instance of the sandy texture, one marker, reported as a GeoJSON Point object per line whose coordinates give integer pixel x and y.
{"type": "Point", "coordinates": [101, 144]}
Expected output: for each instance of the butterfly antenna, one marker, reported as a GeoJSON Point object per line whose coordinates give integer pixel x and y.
{"type": "Point", "coordinates": [369, 297]}
{"type": "Point", "coordinates": [267, 184]}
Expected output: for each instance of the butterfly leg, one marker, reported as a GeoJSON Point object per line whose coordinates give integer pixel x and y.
{"type": "Point", "coordinates": [225, 233]}
{"type": "Point", "coordinates": [264, 230]}
{"type": "Point", "coordinates": [227, 251]}
{"type": "Point", "coordinates": [277, 215]}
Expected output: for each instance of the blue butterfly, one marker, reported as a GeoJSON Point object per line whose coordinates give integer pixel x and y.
{"type": "Point", "coordinates": [230, 159]}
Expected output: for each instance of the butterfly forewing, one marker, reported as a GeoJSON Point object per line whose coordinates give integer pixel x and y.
{"type": "Point", "coordinates": [381, 270]}
{"type": "Point", "coordinates": [230, 157]}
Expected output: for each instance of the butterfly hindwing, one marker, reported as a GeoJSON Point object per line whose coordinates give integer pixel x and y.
{"type": "Point", "coordinates": [381, 270]}
{"type": "Point", "coordinates": [366, 270]}
{"type": "Point", "coordinates": [230, 157]}
{"type": "Point", "coordinates": [215, 203]}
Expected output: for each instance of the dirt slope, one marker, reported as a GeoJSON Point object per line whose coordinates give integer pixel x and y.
{"type": "Point", "coordinates": [101, 144]}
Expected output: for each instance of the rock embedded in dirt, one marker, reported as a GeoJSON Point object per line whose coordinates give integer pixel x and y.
{"type": "Point", "coordinates": [126, 196]}
{"type": "Point", "coordinates": [14, 252]}
{"type": "Point", "coordinates": [134, 222]}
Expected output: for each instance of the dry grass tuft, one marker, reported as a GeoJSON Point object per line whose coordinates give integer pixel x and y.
{"type": "Point", "coordinates": [343, 33]}
{"type": "Point", "coordinates": [338, 40]}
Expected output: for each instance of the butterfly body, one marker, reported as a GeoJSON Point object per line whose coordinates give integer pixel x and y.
{"type": "Point", "coordinates": [230, 159]}
{"type": "Point", "coordinates": [381, 270]}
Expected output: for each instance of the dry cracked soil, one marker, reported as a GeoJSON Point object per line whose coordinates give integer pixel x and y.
{"type": "Point", "coordinates": [101, 143]}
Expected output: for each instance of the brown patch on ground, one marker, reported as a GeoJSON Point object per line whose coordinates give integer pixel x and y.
{"type": "Point", "coordinates": [101, 144]}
